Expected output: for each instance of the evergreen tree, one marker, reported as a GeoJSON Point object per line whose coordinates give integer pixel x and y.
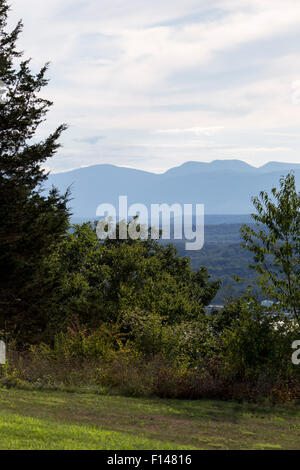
{"type": "Point", "coordinates": [274, 241]}
{"type": "Point", "coordinates": [31, 222]}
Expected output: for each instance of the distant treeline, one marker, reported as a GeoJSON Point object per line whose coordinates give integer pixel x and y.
{"type": "Point", "coordinates": [223, 261]}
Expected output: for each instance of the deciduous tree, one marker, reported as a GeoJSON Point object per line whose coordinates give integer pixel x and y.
{"type": "Point", "coordinates": [274, 241]}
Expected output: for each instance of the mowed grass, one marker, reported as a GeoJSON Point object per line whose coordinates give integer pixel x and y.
{"type": "Point", "coordinates": [62, 420]}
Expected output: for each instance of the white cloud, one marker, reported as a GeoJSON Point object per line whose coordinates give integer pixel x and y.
{"type": "Point", "coordinates": [163, 67]}
{"type": "Point", "coordinates": [208, 131]}
{"type": "Point", "coordinates": [256, 149]}
{"type": "Point", "coordinates": [295, 92]}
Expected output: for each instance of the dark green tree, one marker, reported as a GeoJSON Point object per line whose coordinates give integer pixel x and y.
{"type": "Point", "coordinates": [99, 281]}
{"type": "Point", "coordinates": [274, 241]}
{"type": "Point", "coordinates": [31, 222]}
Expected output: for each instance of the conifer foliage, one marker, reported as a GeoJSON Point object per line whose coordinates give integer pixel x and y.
{"type": "Point", "coordinates": [31, 221]}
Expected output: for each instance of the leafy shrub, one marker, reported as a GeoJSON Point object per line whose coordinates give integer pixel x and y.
{"type": "Point", "coordinates": [79, 342]}
{"type": "Point", "coordinates": [184, 343]}
{"type": "Point", "coordinates": [258, 343]}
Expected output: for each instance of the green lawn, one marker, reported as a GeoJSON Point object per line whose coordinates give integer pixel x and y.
{"type": "Point", "coordinates": [61, 420]}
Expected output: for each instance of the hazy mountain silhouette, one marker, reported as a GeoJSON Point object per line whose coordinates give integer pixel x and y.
{"type": "Point", "coordinates": [224, 186]}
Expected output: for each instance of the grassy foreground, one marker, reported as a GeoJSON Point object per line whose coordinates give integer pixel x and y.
{"type": "Point", "coordinates": [61, 420]}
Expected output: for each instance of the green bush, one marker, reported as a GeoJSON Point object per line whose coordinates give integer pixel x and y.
{"type": "Point", "coordinates": [257, 343]}
{"type": "Point", "coordinates": [184, 343]}
{"type": "Point", "coordinates": [78, 342]}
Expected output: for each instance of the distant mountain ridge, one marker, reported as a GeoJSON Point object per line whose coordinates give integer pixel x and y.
{"type": "Point", "coordinates": [229, 165]}
{"type": "Point", "coordinates": [223, 186]}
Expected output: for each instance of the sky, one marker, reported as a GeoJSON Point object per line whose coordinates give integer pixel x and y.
{"type": "Point", "coordinates": [151, 84]}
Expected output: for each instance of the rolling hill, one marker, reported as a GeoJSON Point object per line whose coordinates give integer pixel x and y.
{"type": "Point", "coordinates": [223, 186]}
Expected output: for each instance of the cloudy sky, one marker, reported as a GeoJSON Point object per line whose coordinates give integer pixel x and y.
{"type": "Point", "coordinates": [151, 84]}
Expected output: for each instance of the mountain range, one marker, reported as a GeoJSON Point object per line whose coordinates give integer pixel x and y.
{"type": "Point", "coordinates": [223, 186]}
